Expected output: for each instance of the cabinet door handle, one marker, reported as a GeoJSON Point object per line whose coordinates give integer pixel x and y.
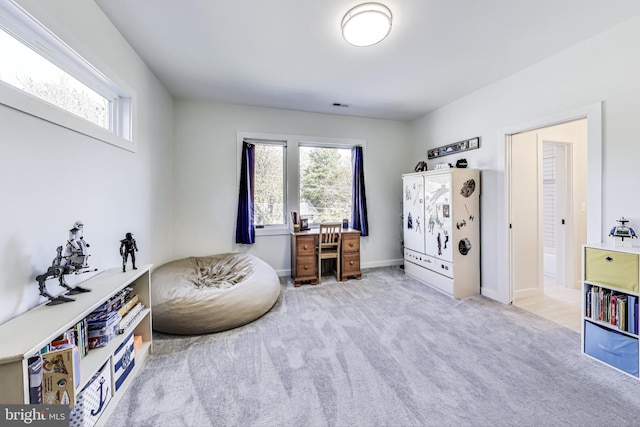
{"type": "Point", "coordinates": [306, 267]}
{"type": "Point", "coordinates": [609, 259]}
{"type": "Point", "coordinates": [305, 247]}
{"type": "Point", "coordinates": [350, 262]}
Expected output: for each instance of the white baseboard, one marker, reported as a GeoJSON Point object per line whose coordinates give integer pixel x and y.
{"type": "Point", "coordinates": [386, 263]}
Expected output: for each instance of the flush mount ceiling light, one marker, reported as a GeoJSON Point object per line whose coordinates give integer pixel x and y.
{"type": "Point", "coordinates": [366, 24]}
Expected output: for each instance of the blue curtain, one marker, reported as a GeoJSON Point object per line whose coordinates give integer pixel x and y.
{"type": "Point", "coordinates": [358, 197]}
{"type": "Point", "coordinates": [245, 230]}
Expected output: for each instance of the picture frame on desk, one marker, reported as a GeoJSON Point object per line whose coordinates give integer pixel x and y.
{"type": "Point", "coordinates": [304, 224]}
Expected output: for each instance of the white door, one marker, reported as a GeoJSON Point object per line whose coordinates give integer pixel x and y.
{"type": "Point", "coordinates": [413, 213]}
{"type": "Point", "coordinates": [438, 205]}
{"type": "Point", "coordinates": [558, 222]}
{"type": "Point", "coordinates": [526, 216]}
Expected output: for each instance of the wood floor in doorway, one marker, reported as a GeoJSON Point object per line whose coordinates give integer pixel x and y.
{"type": "Point", "coordinates": [558, 304]}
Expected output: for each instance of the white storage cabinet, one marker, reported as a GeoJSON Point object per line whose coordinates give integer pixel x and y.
{"type": "Point", "coordinates": [441, 229]}
{"type": "Point", "coordinates": [610, 277]}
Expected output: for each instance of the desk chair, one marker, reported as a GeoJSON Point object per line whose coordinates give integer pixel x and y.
{"type": "Point", "coordinates": [329, 241]}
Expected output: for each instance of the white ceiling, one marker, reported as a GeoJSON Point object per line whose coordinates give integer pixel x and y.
{"type": "Point", "coordinates": [290, 53]}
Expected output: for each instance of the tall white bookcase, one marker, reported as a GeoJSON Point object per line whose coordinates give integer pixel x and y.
{"type": "Point", "coordinates": [441, 229]}
{"type": "Point", "coordinates": [24, 335]}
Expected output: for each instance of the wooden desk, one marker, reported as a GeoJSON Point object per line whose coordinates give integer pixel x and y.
{"type": "Point", "coordinates": [304, 261]}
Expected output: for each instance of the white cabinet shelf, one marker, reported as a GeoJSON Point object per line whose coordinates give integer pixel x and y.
{"type": "Point", "coordinates": [441, 229]}
{"type": "Point", "coordinates": [610, 295]}
{"type": "Point", "coordinates": [24, 335]}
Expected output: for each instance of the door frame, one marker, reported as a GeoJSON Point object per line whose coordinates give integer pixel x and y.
{"type": "Point", "coordinates": [593, 114]}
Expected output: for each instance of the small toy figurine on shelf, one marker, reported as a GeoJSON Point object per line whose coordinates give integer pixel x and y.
{"type": "Point", "coordinates": [621, 232]}
{"type": "Point", "coordinates": [72, 261]}
{"type": "Point", "coordinates": [128, 246]}
{"type": "Point", "coordinates": [76, 249]}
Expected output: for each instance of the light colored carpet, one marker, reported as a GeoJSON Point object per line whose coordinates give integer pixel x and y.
{"type": "Point", "coordinates": [385, 350]}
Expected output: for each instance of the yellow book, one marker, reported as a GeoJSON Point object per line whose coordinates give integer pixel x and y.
{"type": "Point", "coordinates": [128, 305]}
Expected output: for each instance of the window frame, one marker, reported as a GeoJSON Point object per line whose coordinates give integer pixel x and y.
{"type": "Point", "coordinates": [19, 24]}
{"type": "Point", "coordinates": [316, 144]}
{"type": "Point", "coordinates": [283, 144]}
{"type": "Point", "coordinates": [292, 167]}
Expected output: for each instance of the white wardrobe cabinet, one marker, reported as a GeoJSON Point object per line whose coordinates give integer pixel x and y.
{"type": "Point", "coordinates": [441, 223]}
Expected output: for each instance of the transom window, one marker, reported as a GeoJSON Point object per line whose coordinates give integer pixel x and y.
{"type": "Point", "coordinates": [42, 76]}
{"type": "Point", "coordinates": [24, 69]}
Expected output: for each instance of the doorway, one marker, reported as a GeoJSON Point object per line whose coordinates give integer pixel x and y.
{"type": "Point", "coordinates": [548, 219]}
{"type": "Point", "coordinates": [593, 113]}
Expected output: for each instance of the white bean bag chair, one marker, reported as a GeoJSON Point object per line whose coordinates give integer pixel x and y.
{"type": "Point", "coordinates": [200, 295]}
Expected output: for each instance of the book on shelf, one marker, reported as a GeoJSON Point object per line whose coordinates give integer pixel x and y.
{"type": "Point", "coordinates": [114, 303]}
{"type": "Point", "coordinates": [613, 302]}
{"type": "Point", "coordinates": [60, 376]}
{"type": "Point", "coordinates": [601, 312]}
{"type": "Point", "coordinates": [614, 308]}
{"type": "Point", "coordinates": [594, 302]}
{"type": "Point", "coordinates": [631, 302]}
{"type": "Point", "coordinates": [128, 305]}
{"type": "Point", "coordinates": [129, 318]}
{"type": "Point", "coordinates": [635, 316]}
{"type": "Point", "coordinates": [622, 312]}
{"type": "Point", "coordinates": [34, 364]}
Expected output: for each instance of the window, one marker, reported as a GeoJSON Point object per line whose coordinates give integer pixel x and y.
{"type": "Point", "coordinates": [42, 76]}
{"type": "Point", "coordinates": [325, 183]}
{"type": "Point", "coordinates": [311, 176]}
{"type": "Point", "coordinates": [269, 190]}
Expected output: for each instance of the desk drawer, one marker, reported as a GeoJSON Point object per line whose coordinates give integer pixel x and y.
{"type": "Point", "coordinates": [305, 266]}
{"type": "Point", "coordinates": [305, 245]}
{"type": "Point", "coordinates": [350, 243]}
{"type": "Point", "coordinates": [617, 269]}
{"type": "Point", "coordinates": [351, 263]}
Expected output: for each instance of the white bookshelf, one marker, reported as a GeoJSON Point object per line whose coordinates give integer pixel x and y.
{"type": "Point", "coordinates": [608, 336]}
{"type": "Point", "coordinates": [24, 335]}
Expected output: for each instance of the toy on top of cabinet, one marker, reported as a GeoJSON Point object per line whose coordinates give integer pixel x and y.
{"type": "Point", "coordinates": [72, 261]}
{"type": "Point", "coordinates": [621, 232]}
{"type": "Point", "coordinates": [128, 247]}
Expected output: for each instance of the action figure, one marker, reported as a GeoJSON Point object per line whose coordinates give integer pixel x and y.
{"type": "Point", "coordinates": [622, 231]}
{"type": "Point", "coordinates": [76, 250]}
{"type": "Point", "coordinates": [128, 246]}
{"type": "Point", "coordinates": [72, 261]}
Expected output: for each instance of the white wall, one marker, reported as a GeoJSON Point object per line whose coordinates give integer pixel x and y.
{"type": "Point", "coordinates": [52, 176]}
{"type": "Point", "coordinates": [206, 174]}
{"type": "Point", "coordinates": [603, 68]}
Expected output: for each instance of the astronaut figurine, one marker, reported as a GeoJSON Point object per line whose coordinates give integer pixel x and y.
{"type": "Point", "coordinates": [128, 246]}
